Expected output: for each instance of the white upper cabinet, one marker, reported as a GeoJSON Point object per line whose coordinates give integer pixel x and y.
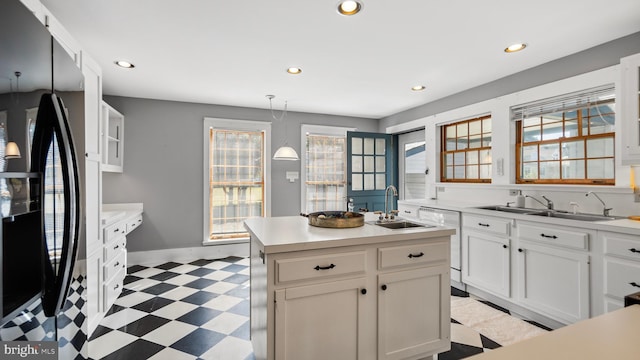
{"type": "Point", "coordinates": [630, 109]}
{"type": "Point", "coordinates": [112, 139]}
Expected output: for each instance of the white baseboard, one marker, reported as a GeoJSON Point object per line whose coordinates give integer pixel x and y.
{"type": "Point", "coordinates": [157, 257]}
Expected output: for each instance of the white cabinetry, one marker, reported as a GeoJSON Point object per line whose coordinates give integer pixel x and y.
{"type": "Point", "coordinates": [486, 261]}
{"type": "Point", "coordinates": [629, 102]}
{"type": "Point", "coordinates": [384, 301]}
{"type": "Point", "coordinates": [621, 267]}
{"type": "Point", "coordinates": [553, 271]}
{"type": "Point", "coordinates": [113, 139]}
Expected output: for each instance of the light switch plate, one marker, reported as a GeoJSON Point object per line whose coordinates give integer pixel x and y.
{"type": "Point", "coordinates": [292, 176]}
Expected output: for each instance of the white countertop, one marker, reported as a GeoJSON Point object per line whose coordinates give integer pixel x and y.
{"type": "Point", "coordinates": [293, 233]}
{"type": "Point", "coordinates": [111, 213]}
{"type": "Point", "coordinates": [621, 225]}
{"type": "Point", "coordinates": [610, 336]}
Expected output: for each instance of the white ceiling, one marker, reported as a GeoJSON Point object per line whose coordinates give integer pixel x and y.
{"type": "Point", "coordinates": [236, 52]}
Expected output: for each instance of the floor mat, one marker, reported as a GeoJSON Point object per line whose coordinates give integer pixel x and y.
{"type": "Point", "coordinates": [492, 323]}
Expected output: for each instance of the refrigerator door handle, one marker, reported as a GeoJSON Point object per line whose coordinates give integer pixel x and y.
{"type": "Point", "coordinates": [52, 131]}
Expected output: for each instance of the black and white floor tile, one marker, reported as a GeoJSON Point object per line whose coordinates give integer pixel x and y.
{"type": "Point", "coordinates": [200, 310]}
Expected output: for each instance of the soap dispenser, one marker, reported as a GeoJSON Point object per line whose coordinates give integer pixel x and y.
{"type": "Point", "coordinates": [520, 199]}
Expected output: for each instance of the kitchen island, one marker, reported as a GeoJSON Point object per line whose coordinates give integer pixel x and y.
{"type": "Point", "coordinates": [354, 293]}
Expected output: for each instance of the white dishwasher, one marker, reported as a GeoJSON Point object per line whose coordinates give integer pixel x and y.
{"type": "Point", "coordinates": [447, 218]}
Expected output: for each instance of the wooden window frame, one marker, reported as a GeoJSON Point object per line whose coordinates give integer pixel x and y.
{"type": "Point", "coordinates": [580, 137]}
{"type": "Point", "coordinates": [444, 151]}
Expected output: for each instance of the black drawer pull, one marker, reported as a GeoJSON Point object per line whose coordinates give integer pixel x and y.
{"type": "Point", "coordinates": [318, 267]}
{"type": "Point", "coordinates": [634, 250]}
{"type": "Point", "coordinates": [116, 247]}
{"type": "Point", "coordinates": [481, 224]}
{"type": "Point", "coordinates": [383, 287]}
{"type": "Point", "coordinates": [116, 264]}
{"type": "Point", "coordinates": [549, 236]}
{"type": "Point", "coordinates": [416, 255]}
{"type": "Point", "coordinates": [520, 250]}
{"type": "Point", "coordinates": [116, 230]}
{"type": "Point", "coordinates": [504, 246]}
{"type": "Point", "coordinates": [634, 284]}
{"type": "Point", "coordinates": [116, 287]}
{"type": "Point", "coordinates": [363, 291]}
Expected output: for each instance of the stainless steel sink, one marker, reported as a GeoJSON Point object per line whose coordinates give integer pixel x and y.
{"type": "Point", "coordinates": [510, 209]}
{"type": "Point", "coordinates": [550, 213]}
{"type": "Point", "coordinates": [581, 217]}
{"type": "Point", "coordinates": [400, 224]}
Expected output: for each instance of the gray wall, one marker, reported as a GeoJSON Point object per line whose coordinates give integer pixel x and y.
{"type": "Point", "coordinates": [598, 57]}
{"type": "Point", "coordinates": [163, 165]}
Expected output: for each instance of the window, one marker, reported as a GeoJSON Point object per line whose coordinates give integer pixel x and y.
{"type": "Point", "coordinates": [567, 139]}
{"type": "Point", "coordinates": [235, 171]}
{"type": "Point", "coordinates": [324, 168]}
{"type": "Point", "coordinates": [466, 151]}
{"type": "Point", "coordinates": [412, 165]}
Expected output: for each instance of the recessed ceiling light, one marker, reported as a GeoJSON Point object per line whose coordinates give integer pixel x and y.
{"type": "Point", "coordinates": [515, 47]}
{"type": "Point", "coordinates": [418, 87]}
{"type": "Point", "coordinates": [294, 70]}
{"type": "Point", "coordinates": [349, 7]}
{"type": "Point", "coordinates": [125, 64]}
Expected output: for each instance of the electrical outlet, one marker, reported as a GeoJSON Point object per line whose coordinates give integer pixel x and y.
{"type": "Point", "coordinates": [440, 188]}
{"type": "Point", "coordinates": [513, 192]}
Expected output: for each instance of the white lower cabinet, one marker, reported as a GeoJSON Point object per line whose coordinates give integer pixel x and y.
{"type": "Point", "coordinates": [409, 312]}
{"type": "Point", "coordinates": [320, 321]}
{"type": "Point", "coordinates": [621, 268]}
{"type": "Point", "coordinates": [384, 301]}
{"type": "Point", "coordinates": [486, 260]}
{"type": "Point", "coordinates": [553, 282]}
{"type": "Point", "coordinates": [553, 270]}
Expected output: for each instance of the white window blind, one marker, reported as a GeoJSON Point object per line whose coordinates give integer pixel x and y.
{"type": "Point", "coordinates": [562, 103]}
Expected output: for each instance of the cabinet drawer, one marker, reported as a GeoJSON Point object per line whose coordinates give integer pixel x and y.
{"type": "Point", "coordinates": [408, 211]}
{"type": "Point", "coordinates": [487, 224]}
{"type": "Point", "coordinates": [622, 277]}
{"type": "Point", "coordinates": [114, 248]}
{"type": "Point", "coordinates": [113, 231]}
{"type": "Point", "coordinates": [112, 289]}
{"type": "Point", "coordinates": [133, 223]}
{"type": "Point", "coordinates": [623, 245]}
{"type": "Point", "coordinates": [418, 254]}
{"type": "Point", "coordinates": [118, 263]}
{"type": "Point", "coordinates": [315, 267]}
{"type": "Point", "coordinates": [565, 238]}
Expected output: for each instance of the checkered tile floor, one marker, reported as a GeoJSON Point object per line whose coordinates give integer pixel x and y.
{"type": "Point", "coordinates": [200, 310]}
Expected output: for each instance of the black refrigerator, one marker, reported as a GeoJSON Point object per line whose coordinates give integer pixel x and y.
{"type": "Point", "coordinates": [43, 282]}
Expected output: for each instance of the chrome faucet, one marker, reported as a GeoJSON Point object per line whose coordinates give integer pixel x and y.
{"type": "Point", "coordinates": [548, 205]}
{"type": "Point", "coordinates": [606, 210]}
{"type": "Point", "coordinates": [386, 197]}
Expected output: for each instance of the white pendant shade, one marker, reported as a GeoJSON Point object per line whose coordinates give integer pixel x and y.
{"type": "Point", "coordinates": [12, 151]}
{"type": "Point", "coordinates": [286, 153]}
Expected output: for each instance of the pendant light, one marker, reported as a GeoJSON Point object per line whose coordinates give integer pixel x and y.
{"type": "Point", "coordinates": [284, 152]}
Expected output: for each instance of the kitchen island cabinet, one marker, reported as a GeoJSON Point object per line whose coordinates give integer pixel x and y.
{"type": "Point", "coordinates": [359, 293]}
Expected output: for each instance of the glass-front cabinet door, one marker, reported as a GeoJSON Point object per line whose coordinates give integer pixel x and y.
{"type": "Point", "coordinates": [630, 109]}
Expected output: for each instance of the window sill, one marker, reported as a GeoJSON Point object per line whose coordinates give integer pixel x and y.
{"type": "Point", "coordinates": [208, 242]}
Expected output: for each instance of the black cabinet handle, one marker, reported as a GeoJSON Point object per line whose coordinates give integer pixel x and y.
{"type": "Point", "coordinates": [481, 224]}
{"type": "Point", "coordinates": [634, 284]}
{"type": "Point", "coordinates": [416, 255]}
{"type": "Point", "coordinates": [116, 287]}
{"type": "Point", "coordinates": [520, 250]}
{"type": "Point", "coordinates": [363, 291]}
{"type": "Point", "coordinates": [504, 246]}
{"type": "Point", "coordinates": [634, 250]}
{"type": "Point", "coordinates": [383, 287]}
{"type": "Point", "coordinates": [116, 247]}
{"type": "Point", "coordinates": [116, 264]}
{"type": "Point", "coordinates": [549, 236]}
{"type": "Point", "coordinates": [318, 267]}
{"type": "Point", "coordinates": [116, 230]}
